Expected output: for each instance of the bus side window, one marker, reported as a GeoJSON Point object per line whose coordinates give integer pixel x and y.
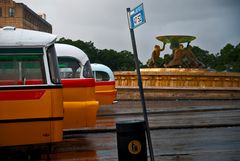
{"type": "Point", "coordinates": [33, 72]}
{"type": "Point", "coordinates": [21, 70]}
{"type": "Point", "coordinates": [9, 71]}
{"type": "Point", "coordinates": [102, 76]}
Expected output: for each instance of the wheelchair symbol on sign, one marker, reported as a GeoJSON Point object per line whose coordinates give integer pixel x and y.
{"type": "Point", "coordinates": [134, 147]}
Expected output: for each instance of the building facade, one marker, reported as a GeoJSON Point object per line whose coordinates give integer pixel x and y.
{"type": "Point", "coordinates": [20, 16]}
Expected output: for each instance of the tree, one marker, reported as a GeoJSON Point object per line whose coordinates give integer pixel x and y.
{"type": "Point", "coordinates": [203, 55]}
{"type": "Point", "coordinates": [229, 58]}
{"type": "Point", "coordinates": [117, 61]}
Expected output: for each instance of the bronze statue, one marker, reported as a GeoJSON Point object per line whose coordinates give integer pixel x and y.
{"type": "Point", "coordinates": [182, 57]}
{"type": "Point", "coordinates": [155, 55]}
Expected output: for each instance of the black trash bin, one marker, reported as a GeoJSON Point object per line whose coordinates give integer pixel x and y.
{"type": "Point", "coordinates": [131, 141]}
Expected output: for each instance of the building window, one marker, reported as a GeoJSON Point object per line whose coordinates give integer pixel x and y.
{"type": "Point", "coordinates": [0, 12]}
{"type": "Point", "coordinates": [11, 12]}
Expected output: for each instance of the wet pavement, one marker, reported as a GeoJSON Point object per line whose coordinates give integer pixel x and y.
{"type": "Point", "coordinates": [180, 130]}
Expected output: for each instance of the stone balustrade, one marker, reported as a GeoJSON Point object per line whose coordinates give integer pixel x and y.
{"type": "Point", "coordinates": [179, 83]}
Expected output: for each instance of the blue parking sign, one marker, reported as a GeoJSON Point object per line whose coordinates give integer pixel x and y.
{"type": "Point", "coordinates": [137, 16]}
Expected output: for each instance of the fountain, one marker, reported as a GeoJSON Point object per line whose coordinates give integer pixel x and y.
{"type": "Point", "coordinates": [184, 77]}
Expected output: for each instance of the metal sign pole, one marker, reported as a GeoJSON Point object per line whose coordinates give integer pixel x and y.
{"type": "Point", "coordinates": [141, 89]}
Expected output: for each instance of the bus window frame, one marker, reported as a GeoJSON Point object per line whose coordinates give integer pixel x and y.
{"type": "Point", "coordinates": [87, 70]}
{"type": "Point", "coordinates": [52, 64]}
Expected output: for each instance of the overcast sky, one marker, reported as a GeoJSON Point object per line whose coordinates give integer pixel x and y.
{"type": "Point", "coordinates": [104, 22]}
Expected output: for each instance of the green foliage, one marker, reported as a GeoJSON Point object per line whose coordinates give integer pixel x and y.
{"type": "Point", "coordinates": [167, 58]}
{"type": "Point", "coordinates": [161, 61]}
{"type": "Point", "coordinates": [229, 59]}
{"type": "Point", "coordinates": [204, 57]}
{"type": "Point", "coordinates": [117, 61]}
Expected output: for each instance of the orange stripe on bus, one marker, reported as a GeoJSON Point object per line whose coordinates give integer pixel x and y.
{"type": "Point", "coordinates": [106, 93]}
{"type": "Point", "coordinates": [21, 95]}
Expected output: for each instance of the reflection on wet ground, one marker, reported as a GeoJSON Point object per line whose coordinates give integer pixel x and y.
{"type": "Point", "coordinates": [95, 146]}
{"type": "Point", "coordinates": [103, 122]}
{"type": "Point", "coordinates": [72, 153]}
{"type": "Point", "coordinates": [71, 156]}
{"type": "Point", "coordinates": [166, 105]}
{"type": "Point", "coordinates": [181, 131]}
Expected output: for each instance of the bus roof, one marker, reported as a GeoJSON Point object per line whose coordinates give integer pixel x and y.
{"type": "Point", "coordinates": [16, 37]}
{"type": "Point", "coordinates": [65, 50]}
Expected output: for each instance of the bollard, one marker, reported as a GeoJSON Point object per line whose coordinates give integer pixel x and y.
{"type": "Point", "coordinates": [131, 141]}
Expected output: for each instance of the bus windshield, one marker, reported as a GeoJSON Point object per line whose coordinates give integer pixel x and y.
{"type": "Point", "coordinates": [69, 67]}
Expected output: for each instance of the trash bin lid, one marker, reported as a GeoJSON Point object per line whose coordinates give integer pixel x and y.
{"type": "Point", "coordinates": [130, 126]}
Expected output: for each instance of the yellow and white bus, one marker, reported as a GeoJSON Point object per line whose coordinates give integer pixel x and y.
{"type": "Point", "coordinates": [105, 84]}
{"type": "Point", "coordinates": [80, 104]}
{"type": "Point", "coordinates": [31, 98]}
